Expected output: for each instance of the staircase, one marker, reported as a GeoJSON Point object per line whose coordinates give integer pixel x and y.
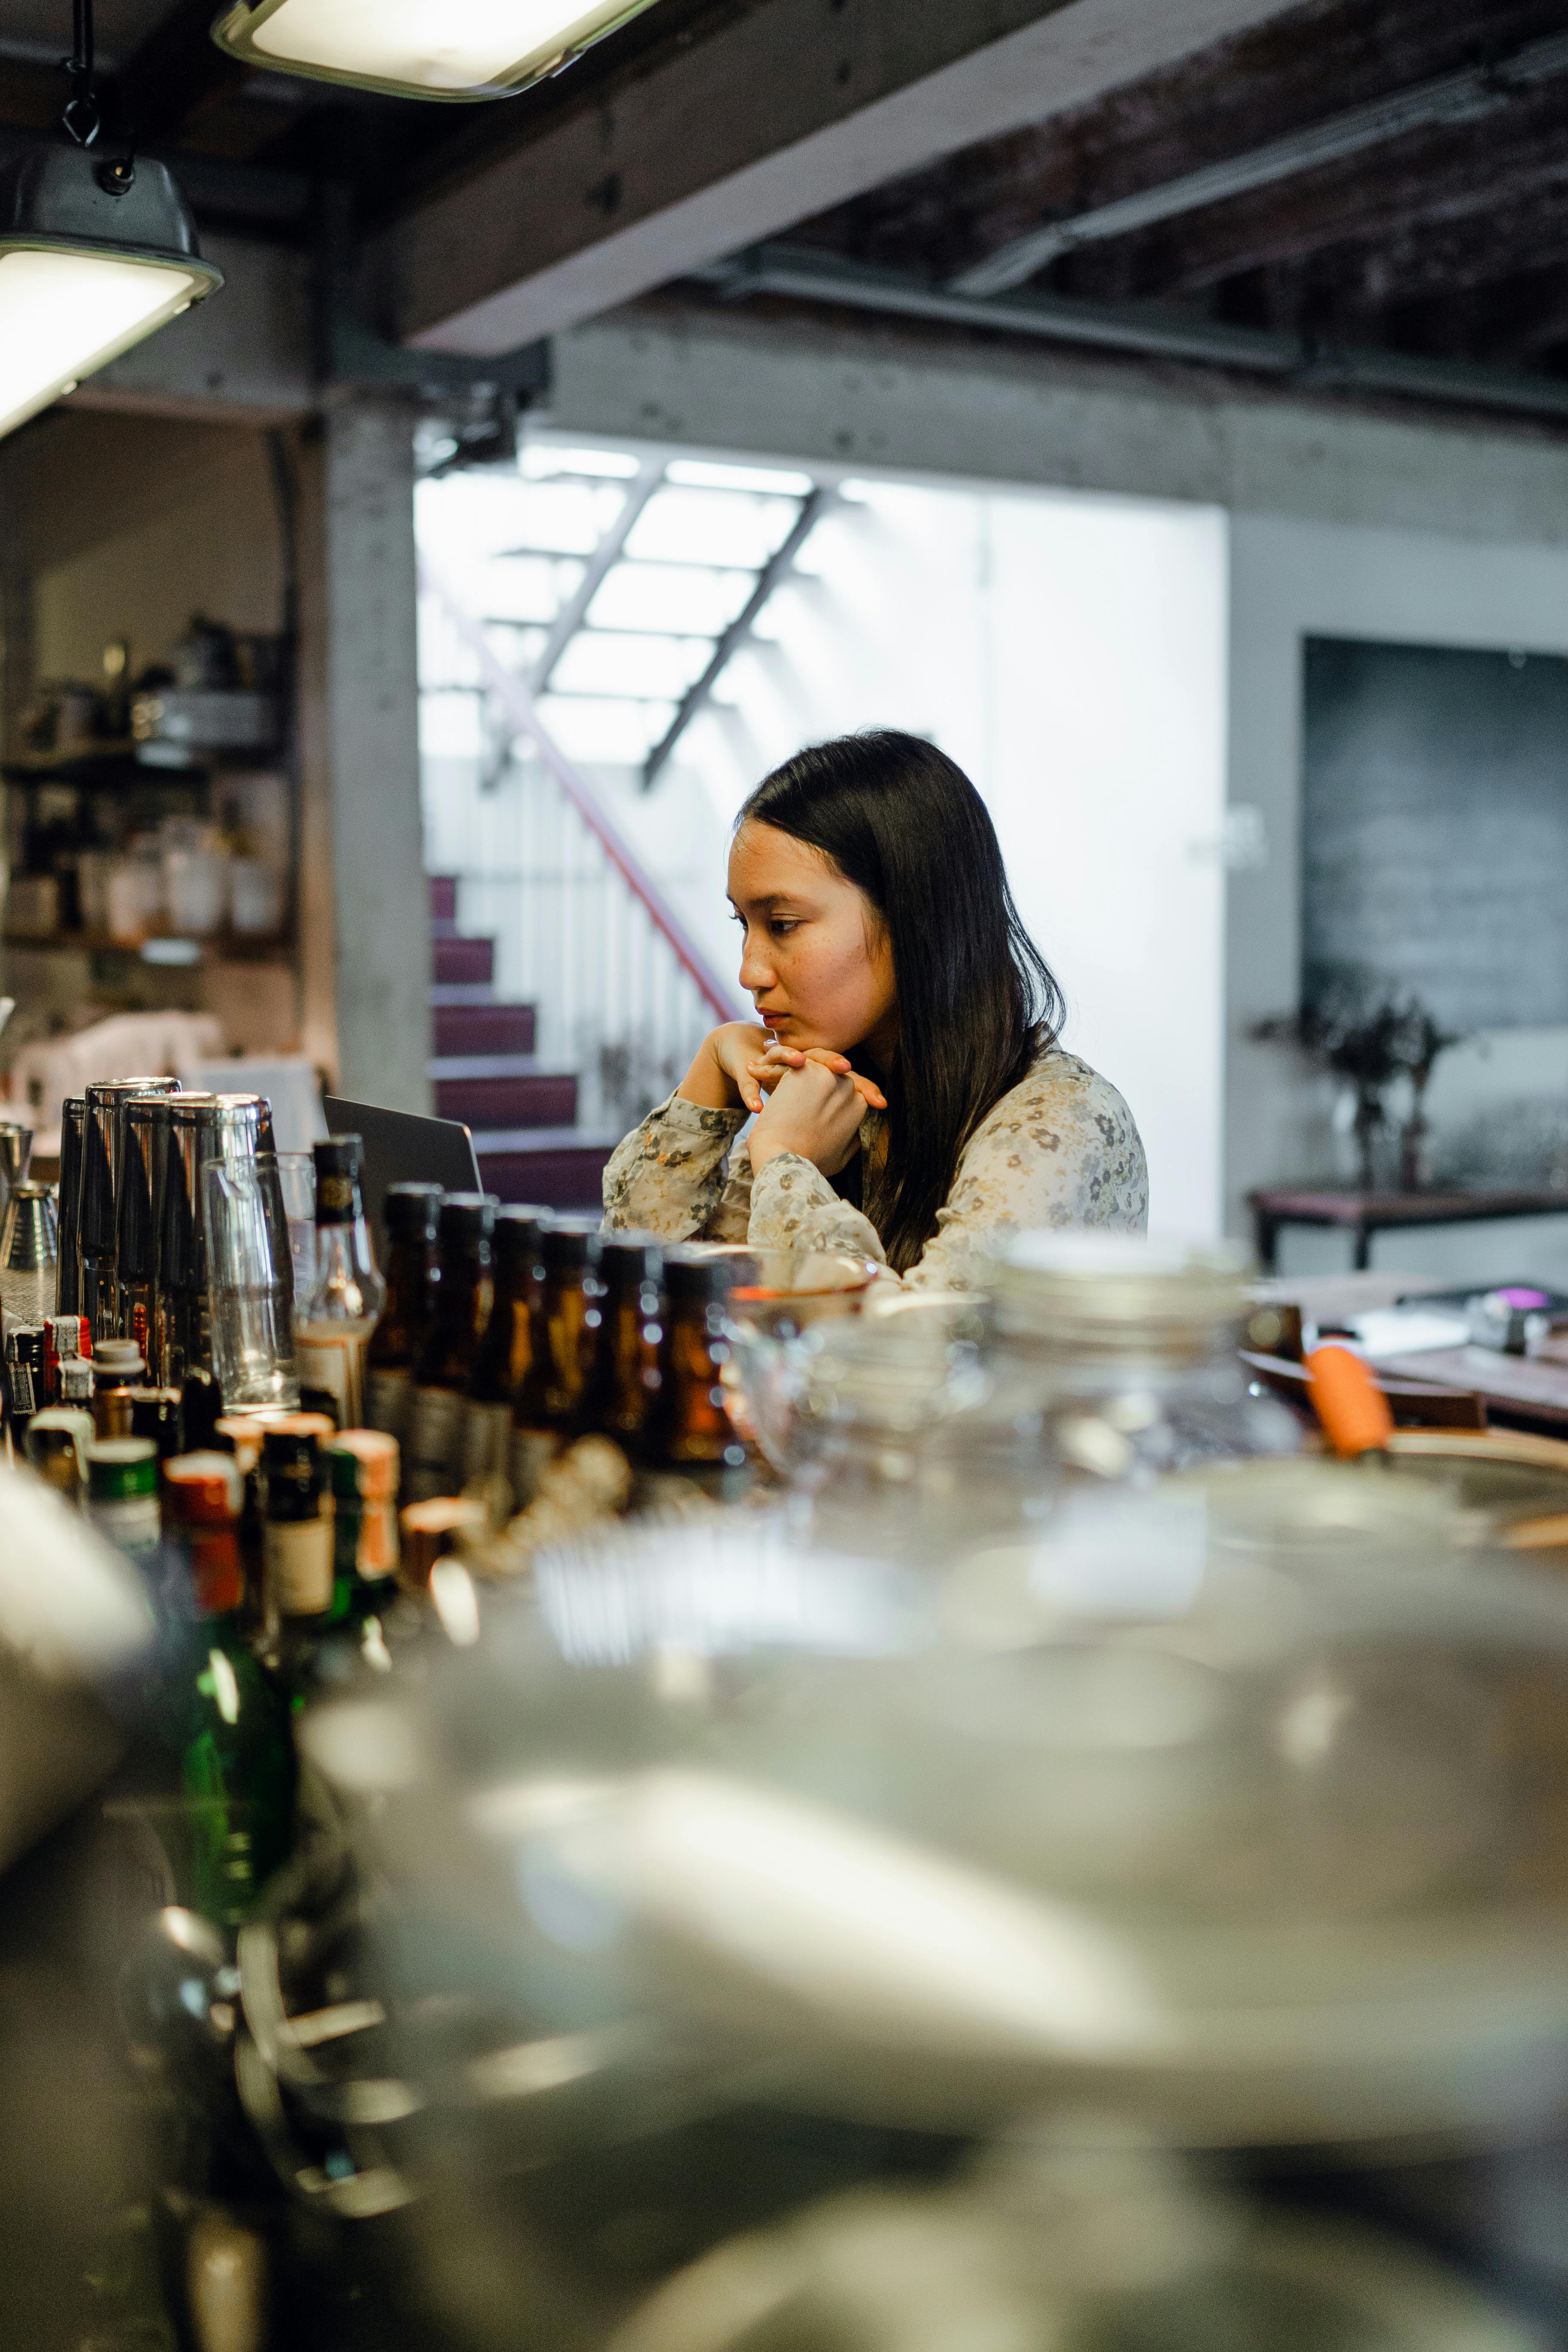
{"type": "Point", "coordinates": [523, 1117]}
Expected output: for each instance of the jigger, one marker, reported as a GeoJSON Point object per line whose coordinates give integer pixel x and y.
{"type": "Point", "coordinates": [16, 1158]}
{"type": "Point", "coordinates": [29, 1252]}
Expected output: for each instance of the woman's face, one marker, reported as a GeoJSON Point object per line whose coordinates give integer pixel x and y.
{"type": "Point", "coordinates": [817, 958]}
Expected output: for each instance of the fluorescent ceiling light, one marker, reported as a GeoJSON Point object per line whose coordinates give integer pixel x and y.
{"type": "Point", "coordinates": [420, 48]}
{"type": "Point", "coordinates": [90, 262]}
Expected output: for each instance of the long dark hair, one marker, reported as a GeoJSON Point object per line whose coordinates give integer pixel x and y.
{"type": "Point", "coordinates": [976, 999]}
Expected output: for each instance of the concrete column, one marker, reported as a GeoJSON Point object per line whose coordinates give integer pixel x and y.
{"type": "Point", "coordinates": [370, 713]}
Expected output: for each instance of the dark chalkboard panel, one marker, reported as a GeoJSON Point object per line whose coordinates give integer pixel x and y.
{"type": "Point", "coordinates": [1435, 828]}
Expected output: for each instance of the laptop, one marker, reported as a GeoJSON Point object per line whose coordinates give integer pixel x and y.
{"type": "Point", "coordinates": [401, 1147]}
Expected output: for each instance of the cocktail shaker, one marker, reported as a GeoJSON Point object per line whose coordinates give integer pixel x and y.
{"type": "Point", "coordinates": [140, 1190]}
{"type": "Point", "coordinates": [200, 1127]}
{"type": "Point", "coordinates": [102, 1142]}
{"type": "Point", "coordinates": [73, 1123]}
{"type": "Point", "coordinates": [29, 1252]}
{"type": "Point", "coordinates": [15, 1155]}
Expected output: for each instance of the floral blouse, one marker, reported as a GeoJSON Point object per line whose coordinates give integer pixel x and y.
{"type": "Point", "coordinates": [1060, 1148]}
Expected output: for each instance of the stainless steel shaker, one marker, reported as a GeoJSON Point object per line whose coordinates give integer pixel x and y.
{"type": "Point", "coordinates": [67, 1280]}
{"type": "Point", "coordinates": [102, 1142]}
{"type": "Point", "coordinates": [15, 1157]}
{"type": "Point", "coordinates": [29, 1252]}
{"type": "Point", "coordinates": [199, 1129]}
{"type": "Point", "coordinates": [142, 1159]}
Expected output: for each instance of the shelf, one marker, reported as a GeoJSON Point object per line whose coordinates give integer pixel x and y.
{"type": "Point", "coordinates": [223, 947]}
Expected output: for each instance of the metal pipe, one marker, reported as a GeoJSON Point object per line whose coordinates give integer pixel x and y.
{"type": "Point", "coordinates": [805, 274]}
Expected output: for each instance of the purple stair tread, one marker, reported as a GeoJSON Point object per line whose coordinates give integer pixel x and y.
{"type": "Point", "coordinates": [468, 962]}
{"type": "Point", "coordinates": [558, 1175]}
{"type": "Point", "coordinates": [533, 1098]}
{"type": "Point", "coordinates": [443, 898]}
{"type": "Point", "coordinates": [483, 1029]}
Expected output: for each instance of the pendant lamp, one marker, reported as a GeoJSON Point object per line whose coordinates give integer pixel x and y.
{"type": "Point", "coordinates": [94, 254]}
{"type": "Point", "coordinates": [420, 48]}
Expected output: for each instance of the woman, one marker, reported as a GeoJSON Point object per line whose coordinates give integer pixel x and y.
{"type": "Point", "coordinates": [912, 1103]}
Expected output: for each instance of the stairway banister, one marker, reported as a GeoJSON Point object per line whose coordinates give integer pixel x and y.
{"type": "Point", "coordinates": [513, 693]}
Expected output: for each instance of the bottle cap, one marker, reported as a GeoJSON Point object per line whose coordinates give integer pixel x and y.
{"type": "Point", "coordinates": [337, 1162]}
{"type": "Point", "coordinates": [518, 1232]}
{"type": "Point", "coordinates": [568, 1244]}
{"type": "Point", "coordinates": [468, 1217]}
{"type": "Point", "coordinates": [203, 1490]}
{"type": "Point", "coordinates": [364, 1463]}
{"type": "Point", "coordinates": [119, 1363]}
{"type": "Point", "coordinates": [694, 1277]}
{"type": "Point", "coordinates": [433, 1529]}
{"type": "Point", "coordinates": [413, 1208]}
{"type": "Point", "coordinates": [628, 1260]}
{"type": "Point", "coordinates": [283, 1442]}
{"type": "Point", "coordinates": [120, 1468]}
{"type": "Point", "coordinates": [298, 1425]}
{"type": "Point", "coordinates": [242, 1438]}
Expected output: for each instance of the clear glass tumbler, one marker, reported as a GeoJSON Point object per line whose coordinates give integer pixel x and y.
{"type": "Point", "coordinates": [297, 1175]}
{"type": "Point", "coordinates": [250, 1285]}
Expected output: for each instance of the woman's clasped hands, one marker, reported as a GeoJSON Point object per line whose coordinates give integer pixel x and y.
{"type": "Point", "coordinates": [813, 1106]}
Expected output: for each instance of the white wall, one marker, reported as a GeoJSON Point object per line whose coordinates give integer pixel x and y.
{"type": "Point", "coordinates": [1068, 651]}
{"type": "Point", "coordinates": [1290, 579]}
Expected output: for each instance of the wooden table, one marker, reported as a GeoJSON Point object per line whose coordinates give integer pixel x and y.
{"type": "Point", "coordinates": [1528, 1390]}
{"type": "Point", "coordinates": [1365, 1214]}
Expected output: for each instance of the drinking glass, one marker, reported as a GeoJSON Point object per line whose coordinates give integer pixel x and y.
{"type": "Point", "coordinates": [297, 1174]}
{"type": "Point", "coordinates": [250, 1285]}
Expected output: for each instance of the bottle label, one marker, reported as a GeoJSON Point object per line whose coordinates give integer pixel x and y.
{"type": "Point", "coordinates": [435, 1442]}
{"type": "Point", "coordinates": [336, 1366]}
{"type": "Point", "coordinates": [486, 1441]}
{"type": "Point", "coordinates": [298, 1557]}
{"type": "Point", "coordinates": [532, 1451]}
{"type": "Point", "coordinates": [388, 1395]}
{"type": "Point", "coordinates": [131, 1522]}
{"type": "Point", "coordinates": [378, 1555]}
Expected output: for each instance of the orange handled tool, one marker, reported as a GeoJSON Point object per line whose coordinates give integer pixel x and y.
{"type": "Point", "coordinates": [1347, 1402]}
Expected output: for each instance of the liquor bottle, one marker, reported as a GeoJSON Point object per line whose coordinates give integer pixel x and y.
{"type": "Point", "coordinates": [334, 1319]}
{"type": "Point", "coordinates": [506, 1351]}
{"type": "Point", "coordinates": [66, 1341]}
{"type": "Point", "coordinates": [436, 1529]}
{"type": "Point", "coordinates": [24, 1393]}
{"type": "Point", "coordinates": [363, 1464]}
{"type": "Point", "coordinates": [225, 1724]}
{"type": "Point", "coordinates": [688, 1431]}
{"type": "Point", "coordinates": [73, 1125]}
{"type": "Point", "coordinates": [624, 1377]}
{"type": "Point", "coordinates": [545, 1410]}
{"type": "Point", "coordinates": [156, 1414]}
{"type": "Point", "coordinates": [119, 1369]}
{"type": "Point", "coordinates": [57, 1440]}
{"type": "Point", "coordinates": [398, 1341]}
{"type": "Point", "coordinates": [297, 1520]}
{"type": "Point", "coordinates": [122, 1496]}
{"type": "Point", "coordinates": [235, 1436]}
{"type": "Point", "coordinates": [201, 1409]}
{"type": "Point", "coordinates": [435, 1456]}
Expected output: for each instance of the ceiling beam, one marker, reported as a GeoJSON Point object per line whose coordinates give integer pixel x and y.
{"type": "Point", "coordinates": [783, 108]}
{"type": "Point", "coordinates": [177, 72]}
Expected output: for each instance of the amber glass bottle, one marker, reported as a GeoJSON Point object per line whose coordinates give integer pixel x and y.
{"type": "Point", "coordinates": [549, 1398]}
{"type": "Point", "coordinates": [506, 1352]}
{"type": "Point", "coordinates": [688, 1431]}
{"type": "Point", "coordinates": [398, 1341]}
{"type": "Point", "coordinates": [434, 1464]}
{"type": "Point", "coordinates": [624, 1380]}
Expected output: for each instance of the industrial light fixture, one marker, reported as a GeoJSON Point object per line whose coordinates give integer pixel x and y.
{"type": "Point", "coordinates": [95, 253]}
{"type": "Point", "coordinates": [420, 48]}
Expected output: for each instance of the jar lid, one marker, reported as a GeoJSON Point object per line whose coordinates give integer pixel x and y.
{"type": "Point", "coordinates": [119, 1360]}
{"type": "Point", "coordinates": [1119, 1294]}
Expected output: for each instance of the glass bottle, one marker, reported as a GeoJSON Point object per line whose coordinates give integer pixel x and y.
{"type": "Point", "coordinates": [545, 1410]}
{"type": "Point", "coordinates": [57, 1442]}
{"type": "Point", "coordinates": [411, 1213]}
{"type": "Point", "coordinates": [624, 1380]}
{"type": "Point", "coordinates": [73, 1127]}
{"type": "Point", "coordinates": [136, 1230]}
{"type": "Point", "coordinates": [103, 1144]}
{"type": "Point", "coordinates": [118, 1371]}
{"type": "Point", "coordinates": [122, 1495]}
{"type": "Point", "coordinates": [506, 1351]}
{"type": "Point", "coordinates": [365, 1467]}
{"type": "Point", "coordinates": [222, 1717]}
{"type": "Point", "coordinates": [688, 1431]}
{"type": "Point", "coordinates": [296, 1518]}
{"type": "Point", "coordinates": [334, 1319]}
{"type": "Point", "coordinates": [435, 1455]}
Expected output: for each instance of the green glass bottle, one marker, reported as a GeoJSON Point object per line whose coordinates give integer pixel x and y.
{"type": "Point", "coordinates": [225, 1724]}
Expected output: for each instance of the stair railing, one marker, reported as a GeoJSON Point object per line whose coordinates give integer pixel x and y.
{"type": "Point", "coordinates": [629, 1023]}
